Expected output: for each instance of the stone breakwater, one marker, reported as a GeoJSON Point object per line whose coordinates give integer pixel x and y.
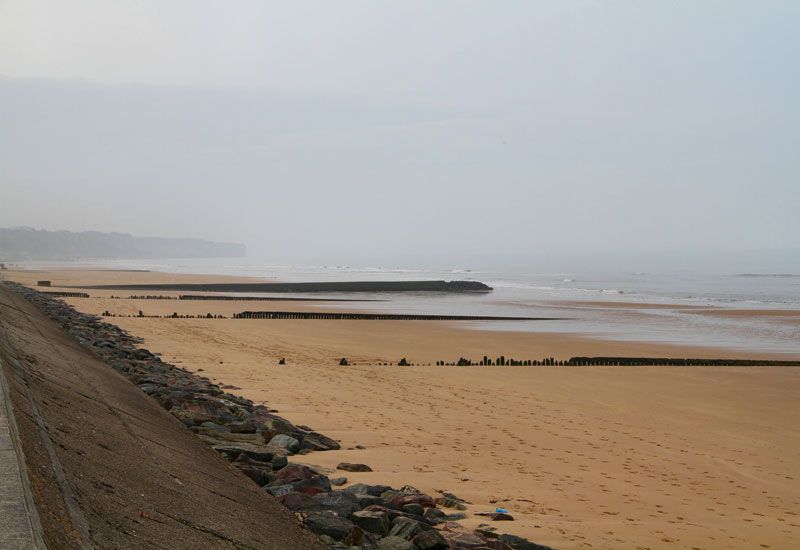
{"type": "Point", "coordinates": [333, 286]}
{"type": "Point", "coordinates": [259, 444]}
{"type": "Point", "coordinates": [218, 298]}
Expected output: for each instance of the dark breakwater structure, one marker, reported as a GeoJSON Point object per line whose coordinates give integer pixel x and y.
{"type": "Point", "coordinates": [378, 316]}
{"type": "Point", "coordinates": [57, 294]}
{"type": "Point", "coordinates": [215, 298]}
{"type": "Point", "coordinates": [202, 297]}
{"type": "Point", "coordinates": [261, 445]}
{"type": "Point", "coordinates": [334, 286]}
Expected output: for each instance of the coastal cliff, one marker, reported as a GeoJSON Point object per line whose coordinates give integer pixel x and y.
{"type": "Point", "coordinates": [24, 243]}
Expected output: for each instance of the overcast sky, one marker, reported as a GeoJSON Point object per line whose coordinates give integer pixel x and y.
{"type": "Point", "coordinates": [415, 130]}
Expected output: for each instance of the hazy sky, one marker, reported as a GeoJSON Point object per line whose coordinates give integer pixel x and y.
{"type": "Point", "coordinates": [415, 130]}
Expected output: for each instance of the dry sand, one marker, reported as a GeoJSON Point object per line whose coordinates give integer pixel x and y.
{"type": "Point", "coordinates": [601, 457]}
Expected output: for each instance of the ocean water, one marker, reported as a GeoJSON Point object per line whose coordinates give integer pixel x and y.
{"type": "Point", "coordinates": [679, 307]}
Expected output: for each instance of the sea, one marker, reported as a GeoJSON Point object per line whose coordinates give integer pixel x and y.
{"type": "Point", "coordinates": [684, 307]}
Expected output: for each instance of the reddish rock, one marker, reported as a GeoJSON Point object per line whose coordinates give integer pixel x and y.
{"type": "Point", "coordinates": [295, 472]}
{"type": "Point", "coordinates": [294, 500]}
{"type": "Point", "coordinates": [423, 500]}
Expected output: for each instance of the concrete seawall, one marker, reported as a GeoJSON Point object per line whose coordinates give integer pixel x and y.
{"type": "Point", "coordinates": [20, 526]}
{"type": "Point", "coordinates": [110, 468]}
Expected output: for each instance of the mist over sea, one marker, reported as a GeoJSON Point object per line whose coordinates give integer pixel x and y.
{"type": "Point", "coordinates": [680, 307]}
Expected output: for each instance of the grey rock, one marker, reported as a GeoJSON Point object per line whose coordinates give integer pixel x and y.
{"type": "Point", "coordinates": [231, 451]}
{"type": "Point", "coordinates": [279, 462]}
{"type": "Point", "coordinates": [430, 540]}
{"type": "Point", "coordinates": [395, 543]}
{"type": "Point", "coordinates": [449, 502]}
{"type": "Point", "coordinates": [374, 490]}
{"type": "Point", "coordinates": [414, 509]}
{"type": "Point", "coordinates": [338, 502]}
{"type": "Point", "coordinates": [313, 486]}
{"type": "Point", "coordinates": [317, 442]}
{"type": "Point", "coordinates": [329, 524]}
{"type": "Point", "coordinates": [338, 481]}
{"type": "Point", "coordinates": [372, 522]}
{"type": "Point", "coordinates": [274, 425]}
{"type": "Point", "coordinates": [215, 426]}
{"type": "Point", "coordinates": [365, 500]}
{"type": "Point", "coordinates": [434, 515]}
{"type": "Point", "coordinates": [254, 439]}
{"type": "Point", "coordinates": [405, 528]}
{"type": "Point", "coordinates": [285, 442]}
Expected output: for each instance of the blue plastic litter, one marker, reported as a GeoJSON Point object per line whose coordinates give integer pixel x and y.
{"type": "Point", "coordinates": [501, 510]}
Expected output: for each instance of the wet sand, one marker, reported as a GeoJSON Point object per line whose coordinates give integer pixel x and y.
{"type": "Point", "coordinates": [600, 457]}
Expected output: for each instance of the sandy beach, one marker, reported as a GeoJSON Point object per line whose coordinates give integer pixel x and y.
{"type": "Point", "coordinates": [600, 457]}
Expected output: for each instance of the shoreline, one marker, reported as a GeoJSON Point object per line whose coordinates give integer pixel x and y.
{"type": "Point", "coordinates": [576, 338]}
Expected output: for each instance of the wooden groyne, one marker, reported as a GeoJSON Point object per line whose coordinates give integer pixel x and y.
{"type": "Point", "coordinates": [332, 286]}
{"type": "Point", "coordinates": [676, 362]}
{"type": "Point", "coordinates": [503, 361]}
{"type": "Point", "coordinates": [378, 316]}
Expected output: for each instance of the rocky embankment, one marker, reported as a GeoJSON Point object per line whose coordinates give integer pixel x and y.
{"type": "Point", "coordinates": [260, 444]}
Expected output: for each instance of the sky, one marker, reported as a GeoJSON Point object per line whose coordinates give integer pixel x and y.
{"type": "Point", "coordinates": [408, 132]}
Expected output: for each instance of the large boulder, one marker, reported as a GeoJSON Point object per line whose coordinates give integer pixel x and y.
{"type": "Point", "coordinates": [363, 488]}
{"type": "Point", "coordinates": [199, 408]}
{"type": "Point", "coordinates": [338, 502]}
{"type": "Point", "coordinates": [401, 500]}
{"type": "Point", "coordinates": [331, 525]}
{"type": "Point", "coordinates": [314, 441]}
{"type": "Point", "coordinates": [223, 436]}
{"type": "Point", "coordinates": [451, 501]}
{"type": "Point", "coordinates": [372, 522]}
{"type": "Point", "coordinates": [295, 472]}
{"type": "Point", "coordinates": [393, 513]}
{"type": "Point", "coordinates": [313, 486]}
{"type": "Point", "coordinates": [273, 425]}
{"type": "Point", "coordinates": [232, 451]}
{"type": "Point", "coordinates": [406, 528]}
{"type": "Point", "coordinates": [294, 500]}
{"type": "Point", "coordinates": [395, 543]}
{"type": "Point", "coordinates": [414, 509]}
{"type": "Point", "coordinates": [259, 475]}
{"type": "Point", "coordinates": [287, 442]}
{"type": "Point", "coordinates": [365, 500]}
{"type": "Point", "coordinates": [430, 540]}
{"type": "Point", "coordinates": [279, 462]}
{"type": "Point", "coordinates": [466, 541]}
{"type": "Point", "coordinates": [435, 515]}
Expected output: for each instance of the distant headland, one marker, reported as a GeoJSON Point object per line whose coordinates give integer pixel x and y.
{"type": "Point", "coordinates": [25, 243]}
